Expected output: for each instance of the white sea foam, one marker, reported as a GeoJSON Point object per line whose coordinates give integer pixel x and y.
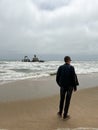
{"type": "Point", "coordinates": [10, 71]}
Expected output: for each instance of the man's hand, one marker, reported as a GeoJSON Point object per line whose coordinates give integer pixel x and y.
{"type": "Point", "coordinates": [75, 89]}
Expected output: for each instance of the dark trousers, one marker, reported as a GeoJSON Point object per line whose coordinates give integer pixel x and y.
{"type": "Point", "coordinates": [68, 93]}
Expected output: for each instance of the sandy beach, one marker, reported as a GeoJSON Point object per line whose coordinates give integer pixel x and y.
{"type": "Point", "coordinates": [38, 112]}
{"type": "Point", "coordinates": [43, 44]}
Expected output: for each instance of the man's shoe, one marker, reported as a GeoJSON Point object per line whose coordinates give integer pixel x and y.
{"type": "Point", "coordinates": [65, 117]}
{"type": "Point", "coordinates": [59, 114]}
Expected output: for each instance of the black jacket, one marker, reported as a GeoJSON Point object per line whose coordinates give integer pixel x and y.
{"type": "Point", "coordinates": [66, 76]}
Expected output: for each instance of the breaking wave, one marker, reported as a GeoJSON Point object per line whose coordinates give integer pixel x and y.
{"type": "Point", "coordinates": [16, 70]}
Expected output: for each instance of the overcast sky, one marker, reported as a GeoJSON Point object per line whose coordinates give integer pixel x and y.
{"type": "Point", "coordinates": [49, 26]}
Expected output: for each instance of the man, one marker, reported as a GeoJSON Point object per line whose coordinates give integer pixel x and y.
{"type": "Point", "coordinates": [67, 80]}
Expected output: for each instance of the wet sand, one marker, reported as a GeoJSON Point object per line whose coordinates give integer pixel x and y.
{"type": "Point", "coordinates": [39, 112]}
{"type": "Point", "coordinates": [40, 88]}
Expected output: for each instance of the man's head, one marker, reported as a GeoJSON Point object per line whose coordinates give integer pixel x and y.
{"type": "Point", "coordinates": [67, 59]}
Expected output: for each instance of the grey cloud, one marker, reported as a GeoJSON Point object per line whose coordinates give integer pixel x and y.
{"type": "Point", "coordinates": [51, 4]}
{"type": "Point", "coordinates": [73, 28]}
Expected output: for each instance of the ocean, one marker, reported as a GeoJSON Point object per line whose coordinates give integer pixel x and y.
{"type": "Point", "coordinates": [17, 70]}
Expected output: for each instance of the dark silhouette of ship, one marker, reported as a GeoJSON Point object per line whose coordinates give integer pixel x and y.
{"type": "Point", "coordinates": [26, 59]}
{"type": "Point", "coordinates": [34, 59]}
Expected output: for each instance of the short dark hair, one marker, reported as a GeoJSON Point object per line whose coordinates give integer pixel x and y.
{"type": "Point", "coordinates": [67, 58]}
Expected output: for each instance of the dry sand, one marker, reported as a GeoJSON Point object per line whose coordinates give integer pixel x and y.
{"type": "Point", "coordinates": [40, 114]}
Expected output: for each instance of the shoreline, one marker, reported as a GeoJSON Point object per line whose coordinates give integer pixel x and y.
{"type": "Point", "coordinates": [39, 88]}
{"type": "Point", "coordinates": [33, 105]}
{"type": "Point", "coordinates": [43, 78]}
